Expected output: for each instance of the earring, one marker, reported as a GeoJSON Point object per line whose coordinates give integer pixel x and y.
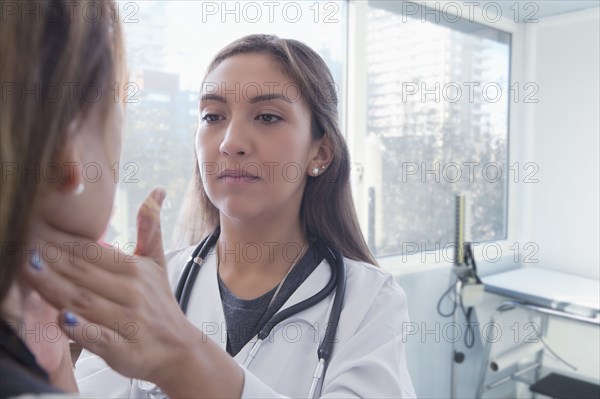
{"type": "Point", "coordinates": [316, 170]}
{"type": "Point", "coordinates": [79, 190]}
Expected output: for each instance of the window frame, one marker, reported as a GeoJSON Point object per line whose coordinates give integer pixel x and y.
{"type": "Point", "coordinates": [356, 118]}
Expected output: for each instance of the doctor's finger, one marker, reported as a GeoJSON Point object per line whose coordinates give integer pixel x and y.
{"type": "Point", "coordinates": [110, 343]}
{"type": "Point", "coordinates": [65, 249]}
{"type": "Point", "coordinates": [62, 293]}
{"type": "Point", "coordinates": [149, 233]}
{"type": "Point", "coordinates": [86, 274]}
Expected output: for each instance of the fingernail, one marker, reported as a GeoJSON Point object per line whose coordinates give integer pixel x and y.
{"type": "Point", "coordinates": [35, 261]}
{"type": "Point", "coordinates": [159, 195]}
{"type": "Point", "coordinates": [70, 318]}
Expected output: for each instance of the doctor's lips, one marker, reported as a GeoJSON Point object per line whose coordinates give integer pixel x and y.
{"type": "Point", "coordinates": [237, 176]}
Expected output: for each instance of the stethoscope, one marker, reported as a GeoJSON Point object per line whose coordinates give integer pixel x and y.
{"type": "Point", "coordinates": [337, 282]}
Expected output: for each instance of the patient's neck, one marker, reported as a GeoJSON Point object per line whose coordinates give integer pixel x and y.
{"type": "Point", "coordinates": [12, 309]}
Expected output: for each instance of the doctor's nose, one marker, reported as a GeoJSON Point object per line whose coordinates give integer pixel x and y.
{"type": "Point", "coordinates": [236, 141]}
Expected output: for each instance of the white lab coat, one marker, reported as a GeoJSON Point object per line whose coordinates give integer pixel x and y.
{"type": "Point", "coordinates": [368, 361]}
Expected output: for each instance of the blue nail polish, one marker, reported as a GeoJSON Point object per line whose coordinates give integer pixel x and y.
{"type": "Point", "coordinates": [36, 261]}
{"type": "Point", "coordinates": [70, 319]}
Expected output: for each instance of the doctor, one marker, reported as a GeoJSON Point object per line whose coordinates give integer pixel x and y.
{"type": "Point", "coordinates": [272, 187]}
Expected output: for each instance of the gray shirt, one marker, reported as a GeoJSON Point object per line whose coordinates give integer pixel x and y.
{"type": "Point", "coordinates": [245, 317]}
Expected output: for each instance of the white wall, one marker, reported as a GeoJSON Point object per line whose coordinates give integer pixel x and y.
{"type": "Point", "coordinates": [563, 130]}
{"type": "Point", "coordinates": [560, 213]}
{"type": "Point", "coordinates": [563, 214]}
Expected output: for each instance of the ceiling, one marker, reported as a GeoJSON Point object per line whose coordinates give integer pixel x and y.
{"type": "Point", "coordinates": [541, 8]}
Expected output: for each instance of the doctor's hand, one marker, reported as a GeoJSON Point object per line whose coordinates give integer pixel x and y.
{"type": "Point", "coordinates": [49, 344]}
{"type": "Point", "coordinates": [117, 305]}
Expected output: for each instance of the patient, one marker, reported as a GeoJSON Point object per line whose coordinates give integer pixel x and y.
{"type": "Point", "coordinates": [60, 129]}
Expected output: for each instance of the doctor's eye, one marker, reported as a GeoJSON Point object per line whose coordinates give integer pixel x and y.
{"type": "Point", "coordinates": [269, 118]}
{"type": "Point", "coordinates": [211, 118]}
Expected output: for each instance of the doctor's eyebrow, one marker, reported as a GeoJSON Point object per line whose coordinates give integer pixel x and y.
{"type": "Point", "coordinates": [270, 97]}
{"type": "Point", "coordinates": [253, 100]}
{"type": "Point", "coordinates": [212, 97]}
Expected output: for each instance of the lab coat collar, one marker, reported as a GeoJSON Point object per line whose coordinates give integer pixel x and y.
{"type": "Point", "coordinates": [206, 309]}
{"type": "Point", "coordinates": [313, 284]}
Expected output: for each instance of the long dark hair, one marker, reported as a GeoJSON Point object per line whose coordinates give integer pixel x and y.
{"type": "Point", "coordinates": [327, 210]}
{"type": "Point", "coordinates": [59, 49]}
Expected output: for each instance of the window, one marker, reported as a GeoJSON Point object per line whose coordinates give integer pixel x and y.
{"type": "Point", "coordinates": [436, 103]}
{"type": "Point", "coordinates": [437, 125]}
{"type": "Point", "coordinates": [169, 45]}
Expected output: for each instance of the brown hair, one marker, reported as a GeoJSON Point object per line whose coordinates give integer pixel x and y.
{"type": "Point", "coordinates": [58, 61]}
{"type": "Point", "coordinates": [327, 210]}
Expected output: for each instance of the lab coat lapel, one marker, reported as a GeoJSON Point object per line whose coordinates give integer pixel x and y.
{"type": "Point", "coordinates": [314, 283]}
{"type": "Point", "coordinates": [205, 310]}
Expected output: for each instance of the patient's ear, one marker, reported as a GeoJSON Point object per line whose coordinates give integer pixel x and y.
{"type": "Point", "coordinates": [81, 200]}
{"type": "Point", "coordinates": [69, 165]}
{"type": "Point", "coordinates": [67, 194]}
